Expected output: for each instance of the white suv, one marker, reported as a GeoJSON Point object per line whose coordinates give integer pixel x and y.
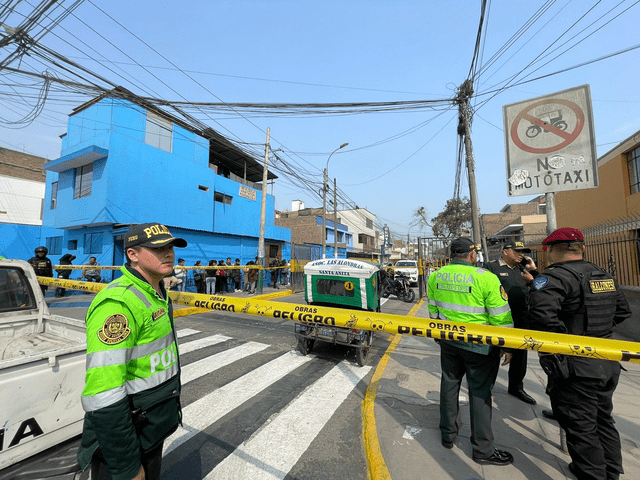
{"type": "Point", "coordinates": [408, 267]}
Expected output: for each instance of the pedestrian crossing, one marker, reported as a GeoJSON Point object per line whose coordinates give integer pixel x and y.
{"type": "Point", "coordinates": [288, 380]}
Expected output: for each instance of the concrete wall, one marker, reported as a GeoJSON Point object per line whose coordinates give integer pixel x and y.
{"type": "Point", "coordinates": [19, 241]}
{"type": "Point", "coordinates": [611, 200]}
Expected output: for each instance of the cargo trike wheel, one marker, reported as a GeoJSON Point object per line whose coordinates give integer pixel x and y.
{"type": "Point", "coordinates": [305, 345]}
{"type": "Point", "coordinates": [363, 349]}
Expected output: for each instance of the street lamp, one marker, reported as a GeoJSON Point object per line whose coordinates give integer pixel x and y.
{"type": "Point", "coordinates": [325, 179]}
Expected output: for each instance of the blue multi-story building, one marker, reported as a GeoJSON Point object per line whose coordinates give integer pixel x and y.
{"type": "Point", "coordinates": [125, 162]}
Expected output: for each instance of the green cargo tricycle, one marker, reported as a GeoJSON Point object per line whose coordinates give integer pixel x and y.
{"type": "Point", "coordinates": [341, 283]}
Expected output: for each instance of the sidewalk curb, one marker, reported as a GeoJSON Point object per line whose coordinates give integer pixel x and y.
{"type": "Point", "coordinates": [376, 466]}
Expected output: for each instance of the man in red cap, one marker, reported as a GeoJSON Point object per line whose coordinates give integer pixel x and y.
{"type": "Point", "coordinates": [576, 297]}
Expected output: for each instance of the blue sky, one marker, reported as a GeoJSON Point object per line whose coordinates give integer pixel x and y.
{"type": "Point", "coordinates": [286, 51]}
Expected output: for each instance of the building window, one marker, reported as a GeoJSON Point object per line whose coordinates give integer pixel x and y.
{"type": "Point", "coordinates": [83, 180]}
{"type": "Point", "coordinates": [54, 195]}
{"type": "Point", "coordinates": [369, 223]}
{"type": "Point", "coordinates": [92, 243]}
{"type": "Point", "coordinates": [222, 198]}
{"type": "Point", "coordinates": [633, 163]}
{"type": "Point", "coordinates": [159, 132]}
{"type": "Point", "coordinates": [54, 245]}
{"type": "Point", "coordinates": [72, 245]}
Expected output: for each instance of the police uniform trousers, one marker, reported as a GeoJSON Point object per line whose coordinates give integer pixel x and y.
{"type": "Point", "coordinates": [518, 364]}
{"type": "Point", "coordinates": [583, 405]}
{"type": "Point", "coordinates": [151, 461]}
{"type": "Point", "coordinates": [517, 370]}
{"type": "Point", "coordinates": [481, 371]}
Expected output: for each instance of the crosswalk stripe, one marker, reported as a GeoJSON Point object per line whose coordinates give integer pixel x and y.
{"type": "Point", "coordinates": [210, 408]}
{"type": "Point", "coordinates": [212, 363]}
{"type": "Point", "coordinates": [201, 343]}
{"type": "Point", "coordinates": [186, 331]}
{"type": "Point", "coordinates": [274, 451]}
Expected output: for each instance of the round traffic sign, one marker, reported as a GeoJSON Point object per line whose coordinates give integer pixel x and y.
{"type": "Point", "coordinates": [348, 286]}
{"type": "Point", "coordinates": [556, 128]}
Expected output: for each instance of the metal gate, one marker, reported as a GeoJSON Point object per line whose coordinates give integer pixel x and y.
{"type": "Point", "coordinates": [300, 256]}
{"type": "Point", "coordinates": [433, 253]}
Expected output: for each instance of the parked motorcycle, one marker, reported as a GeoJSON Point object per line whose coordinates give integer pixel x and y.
{"type": "Point", "coordinates": [398, 286]}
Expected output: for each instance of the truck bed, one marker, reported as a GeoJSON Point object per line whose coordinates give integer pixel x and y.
{"type": "Point", "coordinates": [20, 342]}
{"type": "Point", "coordinates": [42, 368]}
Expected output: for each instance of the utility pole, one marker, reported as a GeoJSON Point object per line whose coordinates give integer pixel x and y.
{"type": "Point", "coordinates": [324, 213]}
{"type": "Point", "coordinates": [464, 128]}
{"type": "Point", "coordinates": [335, 219]}
{"type": "Point", "coordinates": [263, 212]}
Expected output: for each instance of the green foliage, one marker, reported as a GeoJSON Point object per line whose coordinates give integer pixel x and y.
{"type": "Point", "coordinates": [451, 222]}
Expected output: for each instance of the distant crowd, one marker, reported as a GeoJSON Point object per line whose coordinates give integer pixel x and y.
{"type": "Point", "coordinates": [217, 277]}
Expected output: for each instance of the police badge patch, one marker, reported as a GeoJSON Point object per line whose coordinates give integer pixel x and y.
{"type": "Point", "coordinates": [503, 293]}
{"type": "Point", "coordinates": [540, 282]}
{"type": "Point", "coordinates": [158, 313]}
{"type": "Point", "coordinates": [115, 329]}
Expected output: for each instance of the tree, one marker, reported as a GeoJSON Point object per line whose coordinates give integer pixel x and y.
{"type": "Point", "coordinates": [451, 222]}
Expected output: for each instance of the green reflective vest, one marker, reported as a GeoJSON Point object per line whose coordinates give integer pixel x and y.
{"type": "Point", "coordinates": [461, 292]}
{"type": "Point", "coordinates": [132, 366]}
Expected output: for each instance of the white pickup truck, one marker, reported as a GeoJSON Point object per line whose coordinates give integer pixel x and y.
{"type": "Point", "coordinates": [409, 268]}
{"type": "Point", "coordinates": [42, 369]}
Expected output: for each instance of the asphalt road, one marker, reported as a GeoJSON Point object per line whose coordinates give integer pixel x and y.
{"type": "Point", "coordinates": [254, 407]}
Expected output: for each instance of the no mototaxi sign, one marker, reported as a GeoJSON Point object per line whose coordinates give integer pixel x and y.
{"type": "Point", "coordinates": [550, 143]}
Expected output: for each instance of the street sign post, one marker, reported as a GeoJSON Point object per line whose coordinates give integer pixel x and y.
{"type": "Point", "coordinates": [550, 143]}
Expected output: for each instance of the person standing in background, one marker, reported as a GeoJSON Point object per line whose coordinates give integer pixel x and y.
{"type": "Point", "coordinates": [181, 275]}
{"type": "Point", "coordinates": [515, 271]}
{"type": "Point", "coordinates": [64, 273]}
{"type": "Point", "coordinates": [92, 274]}
{"type": "Point", "coordinates": [252, 279]}
{"type": "Point", "coordinates": [236, 275]}
{"type": "Point", "coordinates": [210, 276]}
{"type": "Point", "coordinates": [198, 277]}
{"type": "Point", "coordinates": [42, 265]}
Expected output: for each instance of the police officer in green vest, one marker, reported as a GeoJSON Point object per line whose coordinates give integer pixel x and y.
{"type": "Point", "coordinates": [132, 391]}
{"type": "Point", "coordinates": [462, 292]}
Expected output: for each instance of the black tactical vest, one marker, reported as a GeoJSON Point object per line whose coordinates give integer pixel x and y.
{"type": "Point", "coordinates": [594, 316]}
{"type": "Point", "coordinates": [41, 266]}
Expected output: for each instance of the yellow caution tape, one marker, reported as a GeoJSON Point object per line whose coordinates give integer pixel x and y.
{"type": "Point", "coordinates": [184, 267]}
{"type": "Point", "coordinates": [591, 347]}
{"type": "Point", "coordinates": [86, 267]}
{"type": "Point", "coordinates": [71, 284]}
